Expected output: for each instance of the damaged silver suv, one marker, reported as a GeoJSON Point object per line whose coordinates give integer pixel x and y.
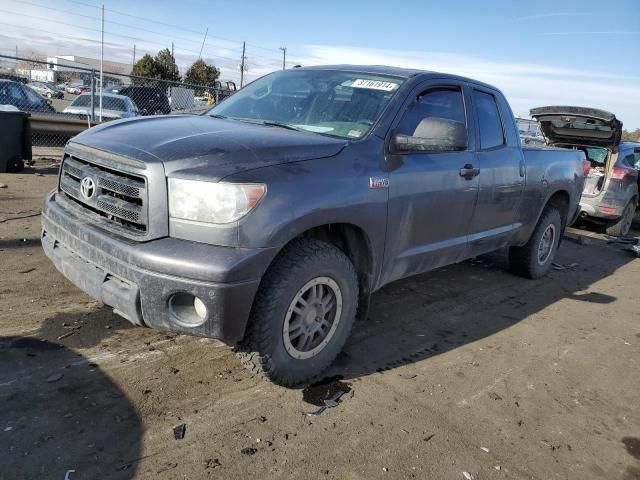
{"type": "Point", "coordinates": [610, 194]}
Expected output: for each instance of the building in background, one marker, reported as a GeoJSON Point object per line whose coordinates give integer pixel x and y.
{"type": "Point", "coordinates": [65, 68]}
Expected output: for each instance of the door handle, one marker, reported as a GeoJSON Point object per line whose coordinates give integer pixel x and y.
{"type": "Point", "coordinates": [469, 171]}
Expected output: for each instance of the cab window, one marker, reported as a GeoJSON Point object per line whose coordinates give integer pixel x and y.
{"type": "Point", "coordinates": [489, 120]}
{"type": "Point", "coordinates": [444, 103]}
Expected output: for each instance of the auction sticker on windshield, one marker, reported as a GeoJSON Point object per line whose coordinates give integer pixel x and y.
{"type": "Point", "coordinates": [374, 84]}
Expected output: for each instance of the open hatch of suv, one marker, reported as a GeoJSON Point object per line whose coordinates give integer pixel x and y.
{"type": "Point", "coordinates": [610, 194]}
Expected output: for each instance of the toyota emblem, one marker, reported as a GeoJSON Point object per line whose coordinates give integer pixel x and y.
{"type": "Point", "coordinates": [87, 187]}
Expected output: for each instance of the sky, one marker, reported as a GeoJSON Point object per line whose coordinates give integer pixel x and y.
{"type": "Point", "coordinates": [539, 52]}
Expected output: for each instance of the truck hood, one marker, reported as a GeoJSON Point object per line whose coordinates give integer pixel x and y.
{"type": "Point", "coordinates": [578, 126]}
{"type": "Point", "coordinates": [201, 145]}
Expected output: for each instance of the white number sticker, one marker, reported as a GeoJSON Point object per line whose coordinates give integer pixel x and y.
{"type": "Point", "coordinates": [374, 84]}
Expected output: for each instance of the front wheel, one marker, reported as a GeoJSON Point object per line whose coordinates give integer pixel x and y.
{"type": "Point", "coordinates": [534, 259]}
{"type": "Point", "coordinates": [302, 314]}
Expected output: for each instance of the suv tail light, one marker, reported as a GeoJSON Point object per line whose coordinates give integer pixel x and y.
{"type": "Point", "coordinates": [586, 167]}
{"type": "Point", "coordinates": [619, 173]}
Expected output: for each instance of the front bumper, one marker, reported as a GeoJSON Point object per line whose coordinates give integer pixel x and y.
{"type": "Point", "coordinates": [138, 279]}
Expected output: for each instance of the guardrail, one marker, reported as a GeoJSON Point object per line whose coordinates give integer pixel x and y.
{"type": "Point", "coordinates": [59, 125]}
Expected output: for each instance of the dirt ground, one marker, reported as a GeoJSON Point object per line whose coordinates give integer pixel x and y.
{"type": "Point", "coordinates": [465, 369]}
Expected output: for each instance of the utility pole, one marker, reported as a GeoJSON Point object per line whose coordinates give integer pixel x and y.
{"type": "Point", "coordinates": [17, 51]}
{"type": "Point", "coordinates": [173, 58]}
{"type": "Point", "coordinates": [101, 62]}
{"type": "Point", "coordinates": [134, 55]}
{"type": "Point", "coordinates": [242, 66]}
{"type": "Point", "coordinates": [284, 57]}
{"type": "Point", "coordinates": [203, 40]}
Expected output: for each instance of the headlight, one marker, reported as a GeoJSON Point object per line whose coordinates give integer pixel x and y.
{"type": "Point", "coordinates": [210, 202]}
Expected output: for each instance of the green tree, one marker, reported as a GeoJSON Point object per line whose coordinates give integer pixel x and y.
{"type": "Point", "coordinates": [200, 73]}
{"type": "Point", "coordinates": [145, 67]}
{"type": "Point", "coordinates": [166, 64]}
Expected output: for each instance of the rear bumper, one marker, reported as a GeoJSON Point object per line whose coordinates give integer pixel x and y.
{"type": "Point", "coordinates": [139, 279]}
{"type": "Point", "coordinates": [605, 207]}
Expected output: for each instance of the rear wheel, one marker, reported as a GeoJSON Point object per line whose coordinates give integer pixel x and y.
{"type": "Point", "coordinates": [534, 259]}
{"type": "Point", "coordinates": [623, 224]}
{"type": "Point", "coordinates": [302, 314]}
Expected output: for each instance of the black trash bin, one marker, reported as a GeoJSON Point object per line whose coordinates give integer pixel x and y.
{"type": "Point", "coordinates": [15, 140]}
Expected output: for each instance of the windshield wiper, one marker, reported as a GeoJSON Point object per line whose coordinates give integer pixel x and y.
{"type": "Point", "coordinates": [281, 125]}
{"type": "Point", "coordinates": [269, 123]}
{"type": "Point", "coordinates": [215, 115]}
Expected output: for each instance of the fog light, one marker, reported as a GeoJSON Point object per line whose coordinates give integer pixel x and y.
{"type": "Point", "coordinates": [188, 310]}
{"type": "Point", "coordinates": [201, 308]}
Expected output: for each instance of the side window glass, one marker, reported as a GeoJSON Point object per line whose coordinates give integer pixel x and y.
{"type": "Point", "coordinates": [629, 160]}
{"type": "Point", "coordinates": [16, 93]}
{"type": "Point", "coordinates": [491, 131]}
{"type": "Point", "coordinates": [33, 97]}
{"type": "Point", "coordinates": [636, 156]}
{"type": "Point", "coordinates": [444, 103]}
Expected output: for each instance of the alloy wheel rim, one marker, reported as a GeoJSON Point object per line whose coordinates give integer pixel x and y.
{"type": "Point", "coordinates": [312, 318]}
{"type": "Point", "coordinates": [545, 247]}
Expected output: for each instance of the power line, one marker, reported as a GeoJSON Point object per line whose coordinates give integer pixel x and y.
{"type": "Point", "coordinates": [147, 19]}
{"type": "Point", "coordinates": [162, 34]}
{"type": "Point", "coordinates": [99, 30]}
{"type": "Point", "coordinates": [97, 19]}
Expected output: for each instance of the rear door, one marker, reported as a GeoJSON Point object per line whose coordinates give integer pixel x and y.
{"type": "Point", "coordinates": [502, 173]}
{"type": "Point", "coordinates": [430, 201]}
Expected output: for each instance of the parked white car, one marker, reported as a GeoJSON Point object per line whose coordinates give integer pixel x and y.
{"type": "Point", "coordinates": [113, 106]}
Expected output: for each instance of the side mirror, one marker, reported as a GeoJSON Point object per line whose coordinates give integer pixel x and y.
{"type": "Point", "coordinates": [434, 134]}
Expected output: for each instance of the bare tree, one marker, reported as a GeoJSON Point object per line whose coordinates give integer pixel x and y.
{"type": "Point", "coordinates": [31, 57]}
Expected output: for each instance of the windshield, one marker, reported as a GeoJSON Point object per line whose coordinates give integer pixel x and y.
{"type": "Point", "coordinates": [335, 103]}
{"type": "Point", "coordinates": [108, 103]}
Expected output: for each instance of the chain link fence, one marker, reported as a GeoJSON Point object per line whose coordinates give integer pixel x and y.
{"type": "Point", "coordinates": [64, 100]}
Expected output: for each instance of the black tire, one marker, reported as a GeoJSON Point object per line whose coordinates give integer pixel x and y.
{"type": "Point", "coordinates": [524, 261]}
{"type": "Point", "coordinates": [15, 165]}
{"type": "Point", "coordinates": [622, 226]}
{"type": "Point", "coordinates": [263, 349]}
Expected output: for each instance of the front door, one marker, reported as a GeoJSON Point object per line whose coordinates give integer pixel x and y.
{"type": "Point", "coordinates": [432, 194]}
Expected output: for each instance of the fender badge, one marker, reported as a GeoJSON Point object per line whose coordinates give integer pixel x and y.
{"type": "Point", "coordinates": [378, 182]}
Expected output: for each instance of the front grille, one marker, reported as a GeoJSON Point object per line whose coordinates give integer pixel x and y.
{"type": "Point", "coordinates": [119, 197]}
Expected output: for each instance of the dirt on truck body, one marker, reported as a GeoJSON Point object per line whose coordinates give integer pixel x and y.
{"type": "Point", "coordinates": [463, 369]}
{"type": "Point", "coordinates": [269, 221]}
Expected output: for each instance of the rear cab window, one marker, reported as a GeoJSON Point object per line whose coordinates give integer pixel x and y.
{"type": "Point", "coordinates": [490, 125]}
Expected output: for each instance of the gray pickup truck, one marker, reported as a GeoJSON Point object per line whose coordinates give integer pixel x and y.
{"type": "Point", "coordinates": [269, 221]}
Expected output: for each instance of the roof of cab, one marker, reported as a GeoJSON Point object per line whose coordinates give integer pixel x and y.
{"type": "Point", "coordinates": [395, 72]}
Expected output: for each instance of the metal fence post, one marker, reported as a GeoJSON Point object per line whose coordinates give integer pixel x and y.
{"type": "Point", "coordinates": [93, 90]}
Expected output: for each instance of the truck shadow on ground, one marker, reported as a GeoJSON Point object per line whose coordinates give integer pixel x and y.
{"type": "Point", "coordinates": [420, 317]}
{"type": "Point", "coordinates": [61, 413]}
